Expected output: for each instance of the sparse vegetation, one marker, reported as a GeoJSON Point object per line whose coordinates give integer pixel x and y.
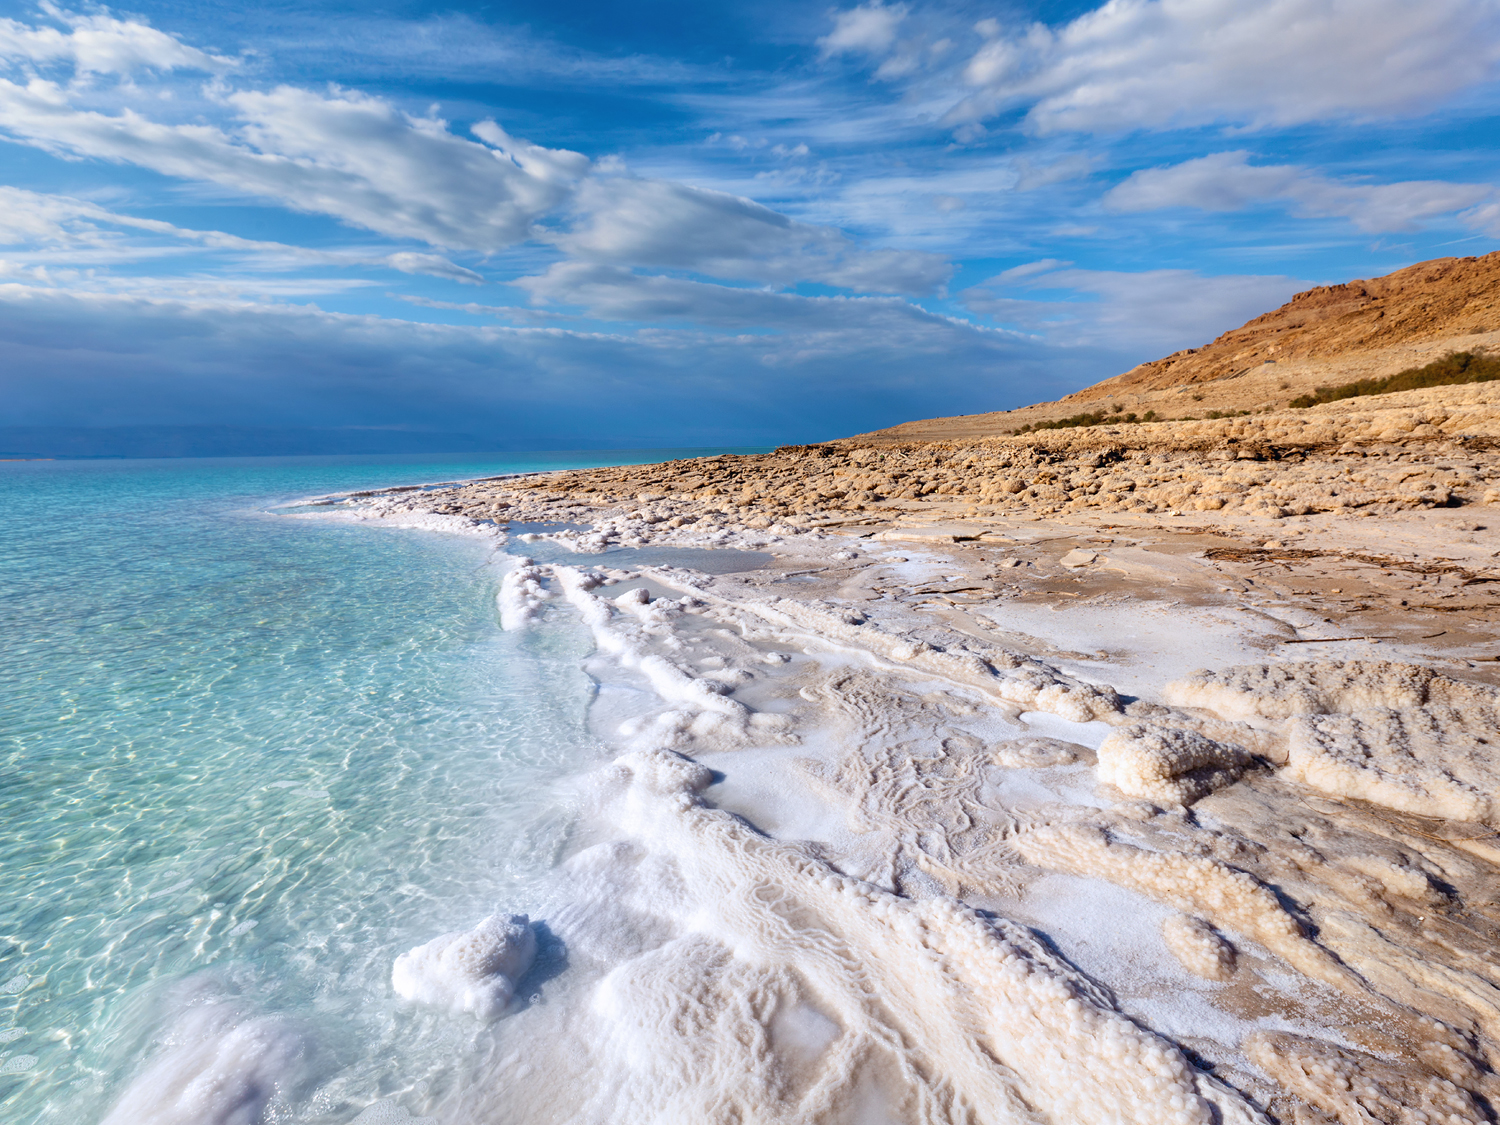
{"type": "Point", "coordinates": [1096, 419]}
{"type": "Point", "coordinates": [1452, 369]}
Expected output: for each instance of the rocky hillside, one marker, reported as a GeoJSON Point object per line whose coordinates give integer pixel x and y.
{"type": "Point", "coordinates": [1332, 334]}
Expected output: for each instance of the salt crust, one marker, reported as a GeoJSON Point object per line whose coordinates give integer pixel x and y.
{"type": "Point", "coordinates": [217, 1066]}
{"type": "Point", "coordinates": [963, 1017]}
{"type": "Point", "coordinates": [1356, 1087]}
{"type": "Point", "coordinates": [1398, 735]}
{"type": "Point", "coordinates": [1195, 884]}
{"type": "Point", "coordinates": [1432, 761]}
{"type": "Point", "coordinates": [1198, 947]}
{"type": "Point", "coordinates": [1007, 677]}
{"type": "Point", "coordinates": [469, 970]}
{"type": "Point", "coordinates": [1278, 691]}
{"type": "Point", "coordinates": [1167, 764]}
{"type": "Point", "coordinates": [1038, 753]}
{"type": "Point", "coordinates": [521, 595]}
{"type": "Point", "coordinates": [959, 1017]}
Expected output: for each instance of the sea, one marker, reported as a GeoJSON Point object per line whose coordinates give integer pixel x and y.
{"type": "Point", "coordinates": [246, 760]}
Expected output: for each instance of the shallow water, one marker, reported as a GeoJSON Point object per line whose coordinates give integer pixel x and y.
{"type": "Point", "coordinates": [247, 760]}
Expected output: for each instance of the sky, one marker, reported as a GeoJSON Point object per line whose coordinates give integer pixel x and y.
{"type": "Point", "coordinates": [664, 223]}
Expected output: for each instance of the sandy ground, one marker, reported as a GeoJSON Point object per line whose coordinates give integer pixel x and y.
{"type": "Point", "coordinates": [1228, 754]}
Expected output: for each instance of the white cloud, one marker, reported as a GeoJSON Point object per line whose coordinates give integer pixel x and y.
{"type": "Point", "coordinates": [1030, 176]}
{"type": "Point", "coordinates": [434, 265]}
{"type": "Point", "coordinates": [1226, 181]}
{"type": "Point", "coordinates": [345, 154]}
{"type": "Point", "coordinates": [62, 235]}
{"type": "Point", "coordinates": [869, 29]}
{"type": "Point", "coordinates": [1153, 63]}
{"type": "Point", "coordinates": [674, 226]}
{"type": "Point", "coordinates": [101, 44]}
{"type": "Point", "coordinates": [80, 358]}
{"type": "Point", "coordinates": [614, 293]}
{"type": "Point", "coordinates": [1153, 312]}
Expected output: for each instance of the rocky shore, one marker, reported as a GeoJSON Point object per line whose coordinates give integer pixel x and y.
{"type": "Point", "coordinates": [1209, 707]}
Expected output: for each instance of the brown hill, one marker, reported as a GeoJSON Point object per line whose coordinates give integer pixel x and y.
{"type": "Point", "coordinates": [1332, 334]}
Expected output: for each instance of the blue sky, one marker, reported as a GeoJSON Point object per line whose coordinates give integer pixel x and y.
{"type": "Point", "coordinates": [674, 223]}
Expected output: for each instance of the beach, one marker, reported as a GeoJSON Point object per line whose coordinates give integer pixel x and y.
{"type": "Point", "coordinates": [1039, 803]}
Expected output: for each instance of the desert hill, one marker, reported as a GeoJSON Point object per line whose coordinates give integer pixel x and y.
{"type": "Point", "coordinates": [1331, 334]}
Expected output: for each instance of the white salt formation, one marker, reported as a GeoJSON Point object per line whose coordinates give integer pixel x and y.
{"type": "Point", "coordinates": [1201, 950]}
{"type": "Point", "coordinates": [1170, 765]}
{"type": "Point", "coordinates": [217, 1066]}
{"type": "Point", "coordinates": [1278, 691]}
{"type": "Point", "coordinates": [521, 595]}
{"type": "Point", "coordinates": [469, 970]}
{"type": "Point", "coordinates": [1355, 1087]}
{"type": "Point", "coordinates": [1398, 735]}
{"type": "Point", "coordinates": [924, 1009]}
{"type": "Point", "coordinates": [1037, 753]}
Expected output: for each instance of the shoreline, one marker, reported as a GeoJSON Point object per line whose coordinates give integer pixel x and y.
{"type": "Point", "coordinates": [1008, 710]}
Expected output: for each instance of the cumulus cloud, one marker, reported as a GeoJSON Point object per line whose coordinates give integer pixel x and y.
{"type": "Point", "coordinates": [1152, 312]}
{"type": "Point", "coordinates": [1226, 181]}
{"type": "Point", "coordinates": [343, 153]}
{"type": "Point", "coordinates": [101, 44]}
{"type": "Point", "coordinates": [1150, 63]}
{"type": "Point", "coordinates": [85, 358]}
{"type": "Point", "coordinates": [674, 226]}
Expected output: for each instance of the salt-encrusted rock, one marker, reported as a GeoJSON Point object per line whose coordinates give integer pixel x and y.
{"type": "Point", "coordinates": [1399, 735]}
{"type": "Point", "coordinates": [1168, 764]}
{"type": "Point", "coordinates": [1276, 691]}
{"type": "Point", "coordinates": [469, 970]}
{"type": "Point", "coordinates": [1432, 761]}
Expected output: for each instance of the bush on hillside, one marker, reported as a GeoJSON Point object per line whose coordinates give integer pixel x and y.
{"type": "Point", "coordinates": [1452, 369]}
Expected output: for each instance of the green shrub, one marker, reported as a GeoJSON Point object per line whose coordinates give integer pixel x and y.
{"type": "Point", "coordinates": [1454, 368]}
{"type": "Point", "coordinates": [1076, 420]}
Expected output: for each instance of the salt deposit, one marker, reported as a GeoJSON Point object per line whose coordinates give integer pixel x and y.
{"type": "Point", "coordinates": [1201, 950]}
{"type": "Point", "coordinates": [1168, 764]}
{"type": "Point", "coordinates": [218, 1065]}
{"type": "Point", "coordinates": [469, 970]}
{"type": "Point", "coordinates": [1399, 735]}
{"type": "Point", "coordinates": [974, 735]}
{"type": "Point", "coordinates": [521, 595]}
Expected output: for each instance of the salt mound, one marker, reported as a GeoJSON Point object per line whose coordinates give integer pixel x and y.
{"type": "Point", "coordinates": [469, 970]}
{"type": "Point", "coordinates": [1431, 761]}
{"type": "Point", "coordinates": [1038, 753]}
{"type": "Point", "coordinates": [1279, 691]}
{"type": "Point", "coordinates": [521, 595]}
{"type": "Point", "coordinates": [1399, 735]}
{"type": "Point", "coordinates": [1198, 947]}
{"type": "Point", "coordinates": [1355, 1086]}
{"type": "Point", "coordinates": [1168, 764]}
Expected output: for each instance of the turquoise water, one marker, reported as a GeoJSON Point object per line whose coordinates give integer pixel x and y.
{"type": "Point", "coordinates": [247, 760]}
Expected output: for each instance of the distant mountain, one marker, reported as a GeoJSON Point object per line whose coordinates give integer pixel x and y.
{"type": "Point", "coordinates": [1446, 298]}
{"type": "Point", "coordinates": [1332, 335]}
{"type": "Point", "coordinates": [226, 441]}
